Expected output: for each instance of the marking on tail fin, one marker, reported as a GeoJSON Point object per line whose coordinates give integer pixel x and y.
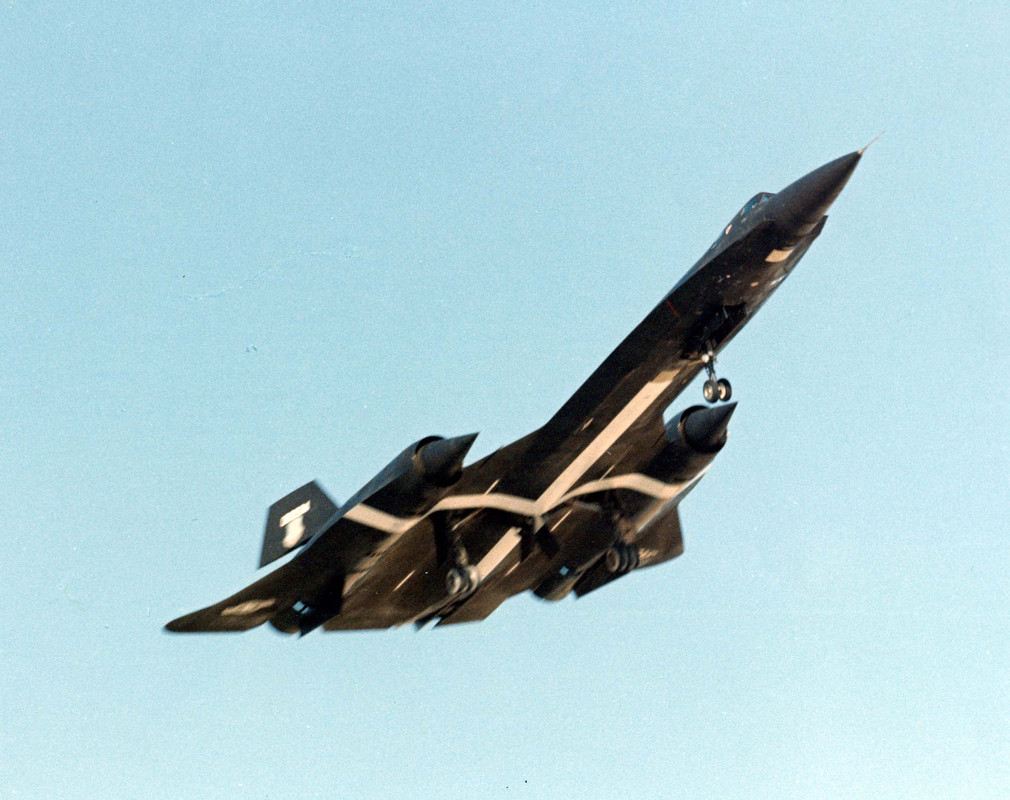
{"type": "Point", "coordinates": [294, 528]}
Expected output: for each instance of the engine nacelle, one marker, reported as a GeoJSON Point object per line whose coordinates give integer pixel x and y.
{"type": "Point", "coordinates": [420, 474]}
{"type": "Point", "coordinates": [693, 438]}
{"type": "Point", "coordinates": [440, 461]}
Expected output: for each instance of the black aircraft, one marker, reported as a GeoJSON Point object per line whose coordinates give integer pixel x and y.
{"type": "Point", "coordinates": [585, 499]}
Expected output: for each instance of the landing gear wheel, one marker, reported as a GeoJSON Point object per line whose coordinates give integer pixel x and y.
{"type": "Point", "coordinates": [461, 580]}
{"type": "Point", "coordinates": [621, 558]}
{"type": "Point", "coordinates": [454, 582]}
{"type": "Point", "coordinates": [715, 388]}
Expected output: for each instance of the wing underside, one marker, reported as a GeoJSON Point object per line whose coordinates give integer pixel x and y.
{"type": "Point", "coordinates": [248, 608]}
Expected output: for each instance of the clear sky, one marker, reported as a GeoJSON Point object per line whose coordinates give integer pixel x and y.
{"type": "Point", "coordinates": [245, 245]}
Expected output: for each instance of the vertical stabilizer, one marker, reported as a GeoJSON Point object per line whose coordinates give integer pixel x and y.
{"type": "Point", "coordinates": [295, 519]}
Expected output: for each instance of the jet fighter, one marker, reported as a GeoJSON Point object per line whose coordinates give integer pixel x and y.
{"type": "Point", "coordinates": [584, 500]}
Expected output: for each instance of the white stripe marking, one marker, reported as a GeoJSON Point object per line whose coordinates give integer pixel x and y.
{"type": "Point", "coordinates": [503, 502]}
{"type": "Point", "coordinates": [636, 482]}
{"type": "Point", "coordinates": [509, 542]}
{"type": "Point", "coordinates": [380, 520]}
{"type": "Point", "coordinates": [406, 578]}
{"type": "Point", "coordinates": [563, 518]}
{"type": "Point", "coordinates": [605, 439]}
{"type": "Point", "coordinates": [556, 494]}
{"type": "Point", "coordinates": [633, 481]}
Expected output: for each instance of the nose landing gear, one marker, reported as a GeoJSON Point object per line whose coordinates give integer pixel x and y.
{"type": "Point", "coordinates": [715, 388]}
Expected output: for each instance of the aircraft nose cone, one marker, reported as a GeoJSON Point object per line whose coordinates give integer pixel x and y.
{"type": "Point", "coordinates": [442, 459]}
{"type": "Point", "coordinates": [804, 202]}
{"type": "Point", "coordinates": [705, 428]}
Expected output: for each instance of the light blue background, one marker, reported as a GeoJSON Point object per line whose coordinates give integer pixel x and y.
{"type": "Point", "coordinates": [245, 245]}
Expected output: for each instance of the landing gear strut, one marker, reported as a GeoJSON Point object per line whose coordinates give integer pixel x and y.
{"type": "Point", "coordinates": [461, 578]}
{"type": "Point", "coordinates": [714, 388]}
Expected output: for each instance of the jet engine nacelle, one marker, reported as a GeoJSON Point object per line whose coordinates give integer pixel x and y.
{"type": "Point", "coordinates": [419, 474]}
{"type": "Point", "coordinates": [694, 437]}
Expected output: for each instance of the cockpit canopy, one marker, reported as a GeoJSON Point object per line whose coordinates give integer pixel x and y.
{"type": "Point", "coordinates": [757, 200]}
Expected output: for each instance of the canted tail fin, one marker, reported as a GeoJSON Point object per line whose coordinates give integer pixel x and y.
{"type": "Point", "coordinates": [294, 519]}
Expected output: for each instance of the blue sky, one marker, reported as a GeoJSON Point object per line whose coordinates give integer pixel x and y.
{"type": "Point", "coordinates": [246, 245]}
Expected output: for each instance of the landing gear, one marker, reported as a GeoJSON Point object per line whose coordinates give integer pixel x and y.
{"type": "Point", "coordinates": [714, 388]}
{"type": "Point", "coordinates": [461, 580]}
{"type": "Point", "coordinates": [711, 391]}
{"type": "Point", "coordinates": [622, 558]}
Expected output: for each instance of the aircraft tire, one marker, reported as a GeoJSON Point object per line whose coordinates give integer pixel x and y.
{"type": "Point", "coordinates": [455, 583]}
{"type": "Point", "coordinates": [461, 580]}
{"type": "Point", "coordinates": [613, 560]}
{"type": "Point", "coordinates": [711, 391]}
{"type": "Point", "coordinates": [724, 389]}
{"type": "Point", "coordinates": [622, 558]}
